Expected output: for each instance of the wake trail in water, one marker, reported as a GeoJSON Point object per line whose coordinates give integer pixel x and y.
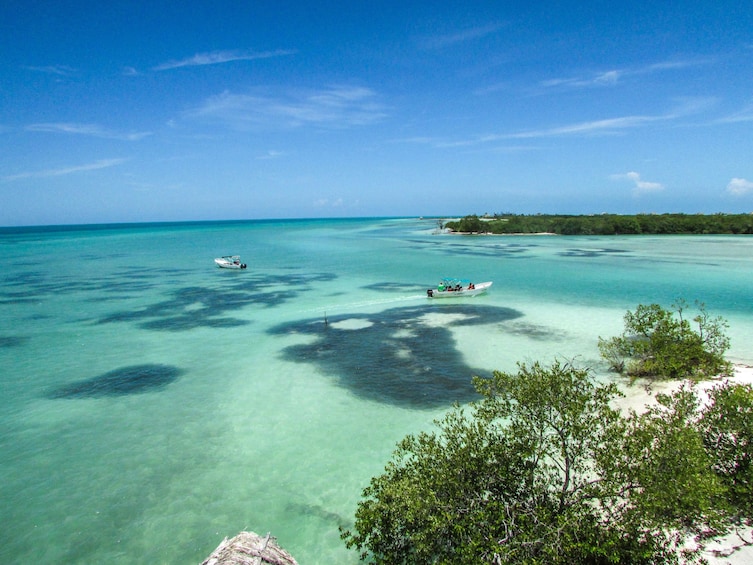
{"type": "Point", "coordinates": [364, 303]}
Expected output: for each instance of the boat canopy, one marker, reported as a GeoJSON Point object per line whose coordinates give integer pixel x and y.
{"type": "Point", "coordinates": [452, 282]}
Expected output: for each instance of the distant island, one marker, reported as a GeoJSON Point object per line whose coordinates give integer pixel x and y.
{"type": "Point", "coordinates": [605, 224]}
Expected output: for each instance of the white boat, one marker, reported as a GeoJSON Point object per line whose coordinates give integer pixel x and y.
{"type": "Point", "coordinates": [230, 262]}
{"type": "Point", "coordinates": [455, 288]}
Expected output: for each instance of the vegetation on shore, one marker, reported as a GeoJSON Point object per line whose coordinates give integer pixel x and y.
{"type": "Point", "coordinates": [605, 224]}
{"type": "Point", "coordinates": [544, 468]}
{"type": "Point", "coordinates": [659, 343]}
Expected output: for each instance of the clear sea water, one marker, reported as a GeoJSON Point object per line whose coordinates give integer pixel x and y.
{"type": "Point", "coordinates": [153, 404]}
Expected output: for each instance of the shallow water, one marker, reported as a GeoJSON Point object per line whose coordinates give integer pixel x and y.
{"type": "Point", "coordinates": [154, 404]}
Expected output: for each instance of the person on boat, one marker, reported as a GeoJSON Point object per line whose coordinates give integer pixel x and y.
{"type": "Point", "coordinates": [471, 286]}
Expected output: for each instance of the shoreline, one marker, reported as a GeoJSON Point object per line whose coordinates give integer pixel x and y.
{"type": "Point", "coordinates": [730, 549]}
{"type": "Point", "coordinates": [642, 392]}
{"type": "Point", "coordinates": [514, 234]}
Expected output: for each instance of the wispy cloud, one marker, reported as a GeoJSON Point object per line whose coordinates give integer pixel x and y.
{"type": "Point", "coordinates": [605, 126]}
{"type": "Point", "coordinates": [608, 126]}
{"type": "Point", "coordinates": [335, 107]}
{"type": "Point", "coordinates": [744, 115]}
{"type": "Point", "coordinates": [92, 130]}
{"type": "Point", "coordinates": [327, 203]}
{"type": "Point", "coordinates": [612, 77]}
{"type": "Point", "coordinates": [220, 57]}
{"type": "Point", "coordinates": [101, 164]}
{"type": "Point", "coordinates": [640, 186]}
{"type": "Point", "coordinates": [59, 70]}
{"type": "Point", "coordinates": [605, 78]}
{"type": "Point", "coordinates": [673, 64]}
{"type": "Point", "coordinates": [739, 187]}
{"type": "Point", "coordinates": [462, 36]}
{"type": "Point", "coordinates": [269, 155]}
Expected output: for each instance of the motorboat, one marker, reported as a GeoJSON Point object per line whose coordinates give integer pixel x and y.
{"type": "Point", "coordinates": [455, 288]}
{"type": "Point", "coordinates": [230, 262]}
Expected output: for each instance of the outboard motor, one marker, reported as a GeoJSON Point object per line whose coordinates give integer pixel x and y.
{"type": "Point", "coordinates": [243, 265]}
{"type": "Point", "coordinates": [430, 292]}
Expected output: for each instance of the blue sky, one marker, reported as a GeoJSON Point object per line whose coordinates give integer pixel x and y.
{"type": "Point", "coordinates": [162, 111]}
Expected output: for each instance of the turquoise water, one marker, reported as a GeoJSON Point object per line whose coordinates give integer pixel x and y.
{"type": "Point", "coordinates": [154, 404]}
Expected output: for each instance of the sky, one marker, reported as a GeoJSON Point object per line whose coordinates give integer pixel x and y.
{"type": "Point", "coordinates": [179, 111]}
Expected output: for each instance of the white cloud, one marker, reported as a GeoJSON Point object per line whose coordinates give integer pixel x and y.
{"type": "Point", "coordinates": [101, 164]}
{"type": "Point", "coordinates": [613, 77]}
{"type": "Point", "coordinates": [60, 70]}
{"type": "Point", "coordinates": [340, 106]}
{"type": "Point", "coordinates": [606, 126]}
{"type": "Point", "coordinates": [462, 36]}
{"type": "Point", "coordinates": [93, 130]}
{"type": "Point", "coordinates": [675, 64]}
{"type": "Point", "coordinates": [607, 78]}
{"type": "Point", "coordinates": [220, 57]}
{"type": "Point", "coordinates": [640, 186]}
{"type": "Point", "coordinates": [270, 154]}
{"type": "Point", "coordinates": [738, 187]}
{"type": "Point", "coordinates": [744, 115]}
{"type": "Point", "coordinates": [327, 203]}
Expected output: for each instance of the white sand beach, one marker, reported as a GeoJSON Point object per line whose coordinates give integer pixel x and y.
{"type": "Point", "coordinates": [642, 392]}
{"type": "Point", "coordinates": [732, 549]}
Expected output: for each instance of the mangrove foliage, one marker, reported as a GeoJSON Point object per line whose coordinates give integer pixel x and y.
{"type": "Point", "coordinates": [544, 469]}
{"type": "Point", "coordinates": [664, 344]}
{"type": "Point", "coordinates": [606, 224]}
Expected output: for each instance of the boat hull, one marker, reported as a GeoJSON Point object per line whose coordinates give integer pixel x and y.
{"type": "Point", "coordinates": [464, 291]}
{"type": "Point", "coordinates": [223, 263]}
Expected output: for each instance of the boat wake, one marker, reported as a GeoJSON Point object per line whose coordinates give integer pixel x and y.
{"type": "Point", "coordinates": [364, 303]}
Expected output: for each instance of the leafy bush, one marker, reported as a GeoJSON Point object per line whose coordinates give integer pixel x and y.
{"type": "Point", "coordinates": [660, 343]}
{"type": "Point", "coordinates": [544, 470]}
{"type": "Point", "coordinates": [727, 427]}
{"type": "Point", "coordinates": [469, 224]}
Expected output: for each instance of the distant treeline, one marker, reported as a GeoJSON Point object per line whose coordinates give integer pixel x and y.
{"type": "Point", "coordinates": [606, 224]}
